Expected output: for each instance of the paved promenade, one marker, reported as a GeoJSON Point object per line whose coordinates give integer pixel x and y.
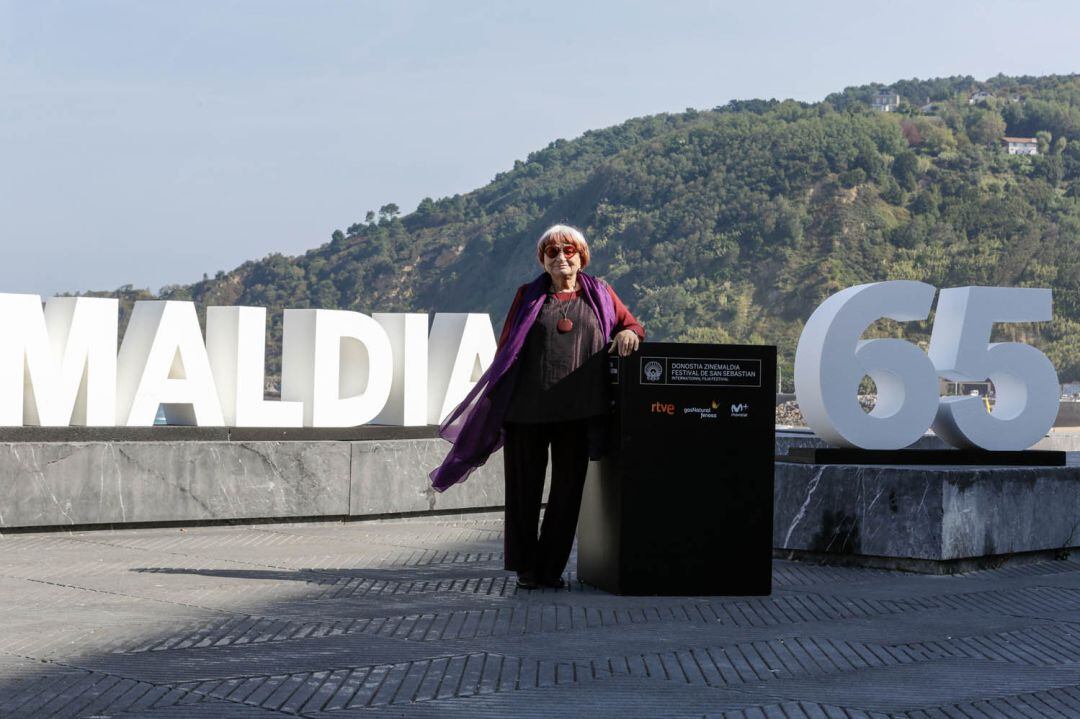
{"type": "Point", "coordinates": [415, 618]}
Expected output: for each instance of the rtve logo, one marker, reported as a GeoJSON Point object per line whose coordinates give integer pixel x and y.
{"type": "Point", "coordinates": [663, 408]}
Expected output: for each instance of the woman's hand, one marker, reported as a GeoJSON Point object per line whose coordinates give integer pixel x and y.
{"type": "Point", "coordinates": [626, 342]}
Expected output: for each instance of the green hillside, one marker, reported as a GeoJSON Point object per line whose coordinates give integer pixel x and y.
{"type": "Point", "coordinates": [731, 225]}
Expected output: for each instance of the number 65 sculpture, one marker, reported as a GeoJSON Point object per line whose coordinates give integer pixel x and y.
{"type": "Point", "coordinates": [831, 361]}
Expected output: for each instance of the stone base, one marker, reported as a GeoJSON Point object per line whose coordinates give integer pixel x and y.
{"type": "Point", "coordinates": [939, 514]}
{"type": "Point", "coordinates": [65, 484]}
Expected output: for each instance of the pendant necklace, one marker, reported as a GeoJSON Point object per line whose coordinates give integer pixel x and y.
{"type": "Point", "coordinates": [565, 324]}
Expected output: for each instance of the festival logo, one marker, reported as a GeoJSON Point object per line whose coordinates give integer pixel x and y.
{"type": "Point", "coordinates": [701, 371]}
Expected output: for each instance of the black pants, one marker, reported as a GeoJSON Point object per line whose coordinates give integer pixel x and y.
{"type": "Point", "coordinates": [525, 457]}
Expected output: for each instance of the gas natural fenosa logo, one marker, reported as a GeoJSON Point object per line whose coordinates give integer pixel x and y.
{"type": "Point", "coordinates": [703, 412]}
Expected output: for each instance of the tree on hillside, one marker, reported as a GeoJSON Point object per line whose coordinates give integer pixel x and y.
{"type": "Point", "coordinates": [389, 211]}
{"type": "Point", "coordinates": [905, 169]}
{"type": "Point", "coordinates": [1042, 137]}
{"type": "Point", "coordinates": [985, 127]}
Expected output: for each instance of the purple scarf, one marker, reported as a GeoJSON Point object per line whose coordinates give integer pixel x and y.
{"type": "Point", "coordinates": [475, 427]}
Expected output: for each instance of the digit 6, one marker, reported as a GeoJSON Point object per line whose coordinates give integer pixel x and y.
{"type": "Point", "coordinates": [830, 361]}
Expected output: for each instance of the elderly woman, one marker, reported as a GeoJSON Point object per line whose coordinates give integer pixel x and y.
{"type": "Point", "coordinates": [546, 388]}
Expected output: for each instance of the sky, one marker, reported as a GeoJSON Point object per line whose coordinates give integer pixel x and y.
{"type": "Point", "coordinates": [147, 143]}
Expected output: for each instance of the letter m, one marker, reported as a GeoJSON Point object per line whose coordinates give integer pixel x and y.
{"type": "Point", "coordinates": [57, 364]}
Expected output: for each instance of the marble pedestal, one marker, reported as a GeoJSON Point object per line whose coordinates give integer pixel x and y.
{"type": "Point", "coordinates": [47, 484]}
{"type": "Point", "coordinates": [925, 518]}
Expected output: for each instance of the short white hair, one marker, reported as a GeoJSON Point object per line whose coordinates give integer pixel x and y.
{"type": "Point", "coordinates": [564, 233]}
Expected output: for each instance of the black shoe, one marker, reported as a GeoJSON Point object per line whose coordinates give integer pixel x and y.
{"type": "Point", "coordinates": [557, 583]}
{"type": "Point", "coordinates": [526, 581]}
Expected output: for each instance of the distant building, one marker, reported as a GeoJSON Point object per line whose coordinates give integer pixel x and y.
{"type": "Point", "coordinates": [1021, 145]}
{"type": "Point", "coordinates": [886, 102]}
{"type": "Point", "coordinates": [928, 108]}
{"type": "Point", "coordinates": [978, 97]}
{"type": "Point", "coordinates": [965, 389]}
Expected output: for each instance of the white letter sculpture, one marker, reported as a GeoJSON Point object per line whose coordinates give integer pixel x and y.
{"type": "Point", "coordinates": [236, 344]}
{"type": "Point", "coordinates": [163, 361]}
{"type": "Point", "coordinates": [408, 333]}
{"type": "Point", "coordinates": [828, 372]}
{"type": "Point", "coordinates": [462, 347]}
{"type": "Point", "coordinates": [57, 366]}
{"type": "Point", "coordinates": [338, 363]}
{"type": "Point", "coordinates": [831, 361]}
{"type": "Point", "coordinates": [1025, 382]}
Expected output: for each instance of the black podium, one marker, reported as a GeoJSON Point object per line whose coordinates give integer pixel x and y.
{"type": "Point", "coordinates": [682, 503]}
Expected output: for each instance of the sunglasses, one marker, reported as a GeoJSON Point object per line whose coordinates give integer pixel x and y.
{"type": "Point", "coordinates": [551, 251]}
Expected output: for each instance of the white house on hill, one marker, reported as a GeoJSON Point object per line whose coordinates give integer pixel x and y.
{"type": "Point", "coordinates": [1021, 145]}
{"type": "Point", "coordinates": [886, 102]}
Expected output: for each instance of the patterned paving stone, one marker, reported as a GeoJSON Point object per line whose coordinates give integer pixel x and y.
{"type": "Point", "coordinates": [204, 710]}
{"type": "Point", "coordinates": [923, 684]}
{"type": "Point", "coordinates": [1046, 646]}
{"type": "Point", "coordinates": [416, 618]}
{"type": "Point", "coordinates": [1061, 703]}
{"type": "Point", "coordinates": [916, 626]}
{"type": "Point", "coordinates": [612, 698]}
{"type": "Point", "coordinates": [934, 586]}
{"type": "Point", "coordinates": [773, 611]}
{"type": "Point", "coordinates": [1049, 602]}
{"type": "Point", "coordinates": [308, 654]}
{"type": "Point", "coordinates": [66, 692]}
